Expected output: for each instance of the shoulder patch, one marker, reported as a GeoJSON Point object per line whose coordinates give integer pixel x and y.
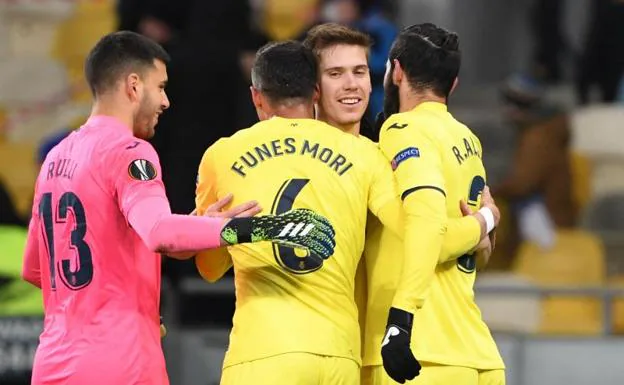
{"type": "Point", "coordinates": [142, 169]}
{"type": "Point", "coordinates": [403, 155]}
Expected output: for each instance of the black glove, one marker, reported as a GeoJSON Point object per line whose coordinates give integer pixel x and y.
{"type": "Point", "coordinates": [398, 359]}
{"type": "Point", "coordinates": [297, 228]}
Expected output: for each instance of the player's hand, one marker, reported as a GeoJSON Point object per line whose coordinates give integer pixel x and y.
{"type": "Point", "coordinates": [488, 201]}
{"type": "Point", "coordinates": [396, 354]}
{"type": "Point", "coordinates": [297, 228]}
{"type": "Point", "coordinates": [483, 253]}
{"type": "Point", "coordinates": [244, 210]}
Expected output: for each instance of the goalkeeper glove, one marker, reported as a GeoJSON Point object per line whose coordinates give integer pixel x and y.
{"type": "Point", "coordinates": [296, 228]}
{"type": "Point", "coordinates": [398, 359]}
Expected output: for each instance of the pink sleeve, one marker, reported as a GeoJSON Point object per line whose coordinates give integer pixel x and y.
{"type": "Point", "coordinates": [142, 199]}
{"type": "Point", "coordinates": [164, 232]}
{"type": "Point", "coordinates": [31, 270]}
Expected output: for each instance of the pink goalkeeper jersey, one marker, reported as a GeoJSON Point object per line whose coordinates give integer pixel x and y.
{"type": "Point", "coordinates": [100, 282]}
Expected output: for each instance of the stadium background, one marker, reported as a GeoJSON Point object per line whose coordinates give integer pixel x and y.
{"type": "Point", "coordinates": [553, 293]}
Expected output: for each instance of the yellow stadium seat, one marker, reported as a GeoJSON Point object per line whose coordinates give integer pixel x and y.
{"type": "Point", "coordinates": [581, 180]}
{"type": "Point", "coordinates": [75, 37]}
{"type": "Point", "coordinates": [286, 19]}
{"type": "Point", "coordinates": [18, 173]}
{"type": "Point", "coordinates": [4, 121]}
{"type": "Point", "coordinates": [618, 305]}
{"type": "Point", "coordinates": [576, 260]}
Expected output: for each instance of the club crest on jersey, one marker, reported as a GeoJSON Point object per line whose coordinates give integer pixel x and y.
{"type": "Point", "coordinates": [403, 155]}
{"type": "Point", "coordinates": [142, 169]}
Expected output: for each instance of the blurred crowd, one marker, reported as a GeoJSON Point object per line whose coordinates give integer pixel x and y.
{"type": "Point", "coordinates": [547, 188]}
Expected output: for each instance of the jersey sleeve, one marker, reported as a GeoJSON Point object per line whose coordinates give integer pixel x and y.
{"type": "Point", "coordinates": [31, 269]}
{"type": "Point", "coordinates": [142, 199]}
{"type": "Point", "coordinates": [211, 264]}
{"type": "Point", "coordinates": [417, 164]}
{"type": "Point", "coordinates": [414, 155]}
{"type": "Point", "coordinates": [462, 235]}
{"type": "Point", "coordinates": [206, 188]}
{"type": "Point", "coordinates": [136, 174]}
{"type": "Point", "coordinates": [382, 189]}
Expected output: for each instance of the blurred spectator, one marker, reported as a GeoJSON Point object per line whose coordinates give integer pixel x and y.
{"type": "Point", "coordinates": [159, 20]}
{"type": "Point", "coordinates": [538, 186]}
{"type": "Point", "coordinates": [602, 61]}
{"type": "Point", "coordinates": [549, 44]}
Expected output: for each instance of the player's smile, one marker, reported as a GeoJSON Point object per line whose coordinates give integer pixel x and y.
{"type": "Point", "coordinates": [350, 101]}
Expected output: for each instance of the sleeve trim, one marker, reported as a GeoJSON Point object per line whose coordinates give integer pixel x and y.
{"type": "Point", "coordinates": [413, 189]}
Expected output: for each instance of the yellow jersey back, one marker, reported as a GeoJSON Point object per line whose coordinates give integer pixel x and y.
{"type": "Point", "coordinates": [449, 328]}
{"type": "Point", "coordinates": [286, 300]}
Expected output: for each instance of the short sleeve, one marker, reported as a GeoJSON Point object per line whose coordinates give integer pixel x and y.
{"type": "Point", "coordinates": [206, 190]}
{"type": "Point", "coordinates": [383, 187]}
{"type": "Point", "coordinates": [136, 174]}
{"type": "Point", "coordinates": [413, 154]}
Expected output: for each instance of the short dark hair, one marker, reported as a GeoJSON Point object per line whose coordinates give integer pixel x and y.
{"type": "Point", "coordinates": [328, 35]}
{"type": "Point", "coordinates": [118, 54]}
{"type": "Point", "coordinates": [285, 70]}
{"type": "Point", "coordinates": [429, 56]}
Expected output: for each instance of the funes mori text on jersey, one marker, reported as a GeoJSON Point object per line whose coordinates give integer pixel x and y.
{"type": "Point", "coordinates": [291, 146]}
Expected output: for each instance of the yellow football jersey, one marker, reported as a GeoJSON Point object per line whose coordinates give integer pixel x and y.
{"type": "Point", "coordinates": [428, 148]}
{"type": "Point", "coordinates": [286, 301]}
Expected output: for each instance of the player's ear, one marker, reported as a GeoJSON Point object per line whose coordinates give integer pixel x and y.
{"type": "Point", "coordinates": [397, 73]}
{"type": "Point", "coordinates": [317, 94]}
{"type": "Point", "coordinates": [132, 86]}
{"type": "Point", "coordinates": [256, 97]}
{"type": "Point", "coordinates": [455, 83]}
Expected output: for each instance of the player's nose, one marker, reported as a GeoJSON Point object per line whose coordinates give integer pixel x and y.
{"type": "Point", "coordinates": [165, 102]}
{"type": "Point", "coordinates": [350, 82]}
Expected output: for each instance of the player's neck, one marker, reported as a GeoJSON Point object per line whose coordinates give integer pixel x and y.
{"type": "Point", "coordinates": [410, 99]}
{"type": "Point", "coordinates": [349, 128]}
{"type": "Point", "coordinates": [105, 107]}
{"type": "Point", "coordinates": [299, 111]}
{"type": "Point", "coordinates": [353, 129]}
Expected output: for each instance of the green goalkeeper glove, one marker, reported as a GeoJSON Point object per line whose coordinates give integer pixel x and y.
{"type": "Point", "coordinates": [297, 228]}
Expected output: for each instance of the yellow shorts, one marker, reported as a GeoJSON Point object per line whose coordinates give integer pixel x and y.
{"type": "Point", "coordinates": [293, 369]}
{"type": "Point", "coordinates": [431, 374]}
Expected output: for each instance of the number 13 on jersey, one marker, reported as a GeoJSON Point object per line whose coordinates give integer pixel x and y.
{"type": "Point", "coordinates": [58, 214]}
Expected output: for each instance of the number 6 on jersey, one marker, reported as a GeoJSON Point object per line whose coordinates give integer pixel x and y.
{"type": "Point", "coordinates": [286, 256]}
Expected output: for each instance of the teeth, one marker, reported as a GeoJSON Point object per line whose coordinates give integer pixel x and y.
{"type": "Point", "coordinates": [349, 101]}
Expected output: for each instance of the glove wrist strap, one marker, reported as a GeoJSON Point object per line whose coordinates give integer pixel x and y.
{"type": "Point", "coordinates": [241, 228]}
{"type": "Point", "coordinates": [401, 318]}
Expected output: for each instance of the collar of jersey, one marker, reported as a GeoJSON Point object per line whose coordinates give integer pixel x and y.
{"type": "Point", "coordinates": [108, 122]}
{"type": "Point", "coordinates": [432, 106]}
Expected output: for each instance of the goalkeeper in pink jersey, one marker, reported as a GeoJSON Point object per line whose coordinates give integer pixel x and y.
{"type": "Point", "coordinates": [99, 218]}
